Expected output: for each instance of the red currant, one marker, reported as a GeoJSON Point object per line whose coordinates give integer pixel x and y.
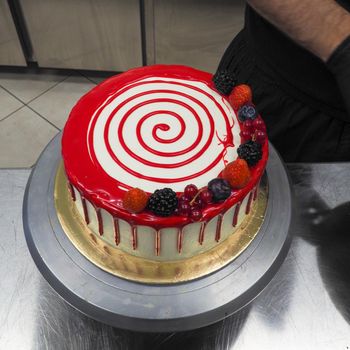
{"type": "Point", "coordinates": [198, 204]}
{"type": "Point", "coordinates": [206, 197]}
{"type": "Point", "coordinates": [183, 199]}
{"type": "Point", "coordinates": [260, 137]}
{"type": "Point", "coordinates": [195, 214]}
{"type": "Point", "coordinates": [248, 125]}
{"type": "Point", "coordinates": [184, 209]}
{"type": "Point", "coordinates": [245, 135]}
{"type": "Point", "coordinates": [190, 191]}
{"type": "Point", "coordinates": [258, 124]}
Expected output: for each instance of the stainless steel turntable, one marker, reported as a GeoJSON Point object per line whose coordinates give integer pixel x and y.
{"type": "Point", "coordinates": [144, 307]}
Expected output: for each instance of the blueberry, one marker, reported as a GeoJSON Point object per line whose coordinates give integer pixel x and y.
{"type": "Point", "coordinates": [220, 189]}
{"type": "Point", "coordinates": [246, 112]}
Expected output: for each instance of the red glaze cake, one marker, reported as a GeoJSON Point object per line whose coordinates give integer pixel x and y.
{"type": "Point", "coordinates": [158, 162]}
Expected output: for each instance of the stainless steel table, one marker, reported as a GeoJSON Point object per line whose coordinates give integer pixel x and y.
{"type": "Point", "coordinates": [306, 305]}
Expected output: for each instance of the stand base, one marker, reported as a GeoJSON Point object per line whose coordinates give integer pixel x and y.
{"type": "Point", "coordinates": [144, 307]}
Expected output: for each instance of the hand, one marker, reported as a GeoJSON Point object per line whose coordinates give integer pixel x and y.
{"type": "Point", "coordinates": [318, 25]}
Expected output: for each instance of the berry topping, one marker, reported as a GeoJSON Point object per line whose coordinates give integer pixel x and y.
{"type": "Point", "coordinates": [198, 204]}
{"type": "Point", "coordinates": [183, 199]}
{"type": "Point", "coordinates": [240, 95]}
{"type": "Point", "coordinates": [163, 202]}
{"type": "Point", "coordinates": [258, 124]}
{"type": "Point", "coordinates": [190, 191]}
{"type": "Point", "coordinates": [245, 135]}
{"type": "Point", "coordinates": [247, 111]}
{"type": "Point", "coordinates": [184, 209]}
{"type": "Point", "coordinates": [248, 125]}
{"type": "Point", "coordinates": [135, 200]}
{"type": "Point", "coordinates": [206, 197]}
{"type": "Point", "coordinates": [224, 81]}
{"type": "Point", "coordinates": [195, 214]}
{"type": "Point", "coordinates": [250, 151]}
{"type": "Point", "coordinates": [220, 189]}
{"type": "Point", "coordinates": [237, 173]}
{"type": "Point", "coordinates": [260, 137]}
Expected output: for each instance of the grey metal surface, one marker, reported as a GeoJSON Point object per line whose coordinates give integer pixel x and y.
{"type": "Point", "coordinates": [306, 306]}
{"type": "Point", "coordinates": [11, 53]}
{"type": "Point", "coordinates": [143, 307]}
{"type": "Point", "coordinates": [85, 34]}
{"type": "Point", "coordinates": [149, 37]}
{"type": "Point", "coordinates": [193, 32]}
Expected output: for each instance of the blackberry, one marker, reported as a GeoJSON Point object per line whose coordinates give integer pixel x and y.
{"type": "Point", "coordinates": [247, 112]}
{"type": "Point", "coordinates": [224, 81]}
{"type": "Point", "coordinates": [250, 151]}
{"type": "Point", "coordinates": [220, 189]}
{"type": "Point", "coordinates": [162, 202]}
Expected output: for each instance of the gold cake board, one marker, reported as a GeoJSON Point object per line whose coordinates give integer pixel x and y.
{"type": "Point", "coordinates": [121, 264]}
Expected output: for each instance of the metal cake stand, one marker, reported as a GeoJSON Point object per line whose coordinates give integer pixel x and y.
{"type": "Point", "coordinates": [152, 308]}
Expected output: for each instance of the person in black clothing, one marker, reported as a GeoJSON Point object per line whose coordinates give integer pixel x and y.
{"type": "Point", "coordinates": [299, 71]}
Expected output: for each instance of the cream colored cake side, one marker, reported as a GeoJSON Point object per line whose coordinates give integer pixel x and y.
{"type": "Point", "coordinates": [169, 243]}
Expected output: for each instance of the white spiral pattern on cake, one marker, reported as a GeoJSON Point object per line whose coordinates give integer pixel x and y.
{"type": "Point", "coordinates": [163, 131]}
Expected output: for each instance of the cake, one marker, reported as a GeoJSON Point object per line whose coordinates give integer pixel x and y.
{"type": "Point", "coordinates": [164, 162]}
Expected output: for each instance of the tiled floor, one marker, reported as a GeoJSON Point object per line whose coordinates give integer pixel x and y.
{"type": "Point", "coordinates": [33, 109]}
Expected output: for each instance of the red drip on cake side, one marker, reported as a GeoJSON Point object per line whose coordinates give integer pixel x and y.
{"type": "Point", "coordinates": [116, 231]}
{"type": "Point", "coordinates": [86, 213]}
{"type": "Point", "coordinates": [218, 228]}
{"type": "Point", "coordinates": [249, 203]}
{"type": "Point", "coordinates": [235, 215]}
{"type": "Point", "coordinates": [180, 238]}
{"type": "Point", "coordinates": [201, 233]}
{"type": "Point", "coordinates": [157, 242]}
{"type": "Point", "coordinates": [134, 236]}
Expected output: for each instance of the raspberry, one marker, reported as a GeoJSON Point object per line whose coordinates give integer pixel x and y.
{"type": "Point", "coordinates": [237, 173]}
{"type": "Point", "coordinates": [240, 95]}
{"type": "Point", "coordinates": [224, 81]}
{"type": "Point", "coordinates": [135, 200]}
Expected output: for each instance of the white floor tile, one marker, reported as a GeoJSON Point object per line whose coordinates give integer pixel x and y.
{"type": "Point", "coordinates": [23, 136]}
{"type": "Point", "coordinates": [27, 86]}
{"type": "Point", "coordinates": [56, 103]}
{"type": "Point", "coordinates": [8, 103]}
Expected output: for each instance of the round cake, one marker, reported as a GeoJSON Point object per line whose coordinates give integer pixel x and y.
{"type": "Point", "coordinates": [164, 162]}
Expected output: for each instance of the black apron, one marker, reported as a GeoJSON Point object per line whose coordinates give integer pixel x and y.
{"type": "Point", "coordinates": [294, 91]}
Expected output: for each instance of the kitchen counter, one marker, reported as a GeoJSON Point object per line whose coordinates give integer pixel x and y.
{"type": "Point", "coordinates": [305, 306]}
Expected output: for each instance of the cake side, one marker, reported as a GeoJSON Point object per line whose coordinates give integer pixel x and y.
{"type": "Point", "coordinates": [170, 243]}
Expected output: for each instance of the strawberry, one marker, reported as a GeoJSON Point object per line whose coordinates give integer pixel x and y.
{"type": "Point", "coordinates": [135, 200]}
{"type": "Point", "coordinates": [240, 95]}
{"type": "Point", "coordinates": [237, 173]}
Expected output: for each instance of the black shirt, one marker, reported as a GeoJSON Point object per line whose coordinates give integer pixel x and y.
{"type": "Point", "coordinates": [302, 70]}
